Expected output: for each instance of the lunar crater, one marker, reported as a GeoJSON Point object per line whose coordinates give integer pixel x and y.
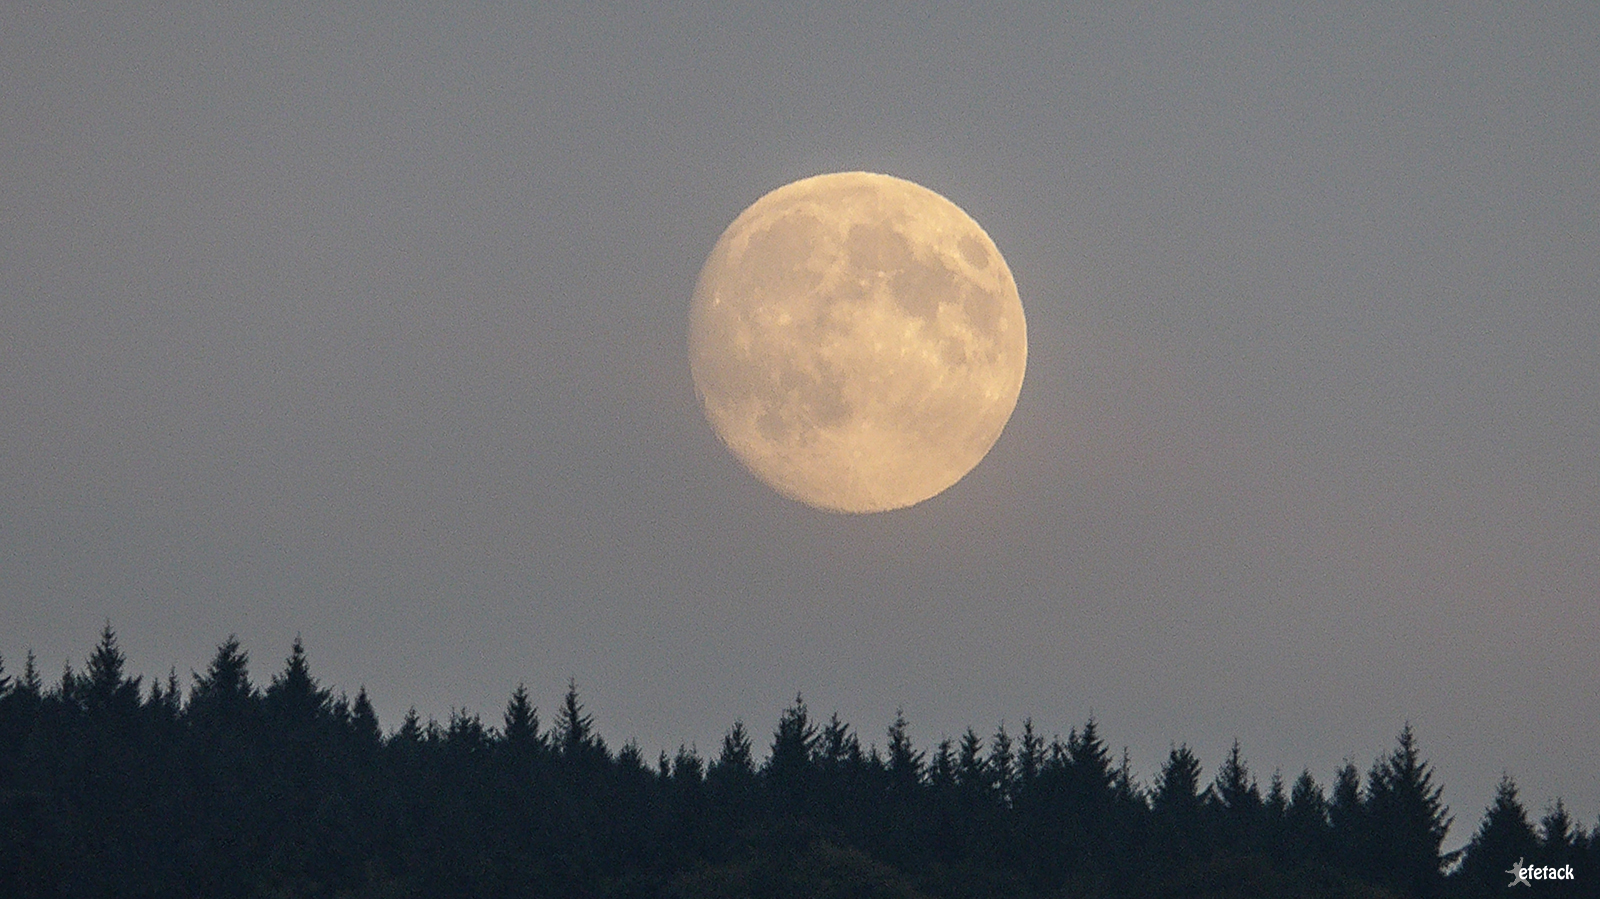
{"type": "Point", "coordinates": [857, 341]}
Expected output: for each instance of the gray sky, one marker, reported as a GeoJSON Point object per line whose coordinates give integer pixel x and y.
{"type": "Point", "coordinates": [371, 326]}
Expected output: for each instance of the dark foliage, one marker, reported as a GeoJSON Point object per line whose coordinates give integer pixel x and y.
{"type": "Point", "coordinates": [111, 789]}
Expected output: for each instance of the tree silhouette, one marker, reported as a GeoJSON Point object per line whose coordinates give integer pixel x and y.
{"type": "Point", "coordinates": [789, 770]}
{"type": "Point", "coordinates": [1178, 807]}
{"type": "Point", "coordinates": [1404, 805]}
{"type": "Point", "coordinates": [1003, 765]}
{"type": "Point", "coordinates": [1237, 803]}
{"type": "Point", "coordinates": [521, 722]}
{"type": "Point", "coordinates": [1305, 821]}
{"type": "Point", "coordinates": [905, 761]}
{"type": "Point", "coordinates": [293, 700]}
{"type": "Point", "coordinates": [223, 696]}
{"type": "Point", "coordinates": [293, 790]}
{"type": "Point", "coordinates": [1348, 823]}
{"type": "Point", "coordinates": [103, 690]}
{"type": "Point", "coordinates": [574, 735]}
{"type": "Point", "coordinates": [1504, 837]}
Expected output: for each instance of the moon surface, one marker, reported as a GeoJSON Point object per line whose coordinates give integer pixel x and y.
{"type": "Point", "coordinates": [857, 341]}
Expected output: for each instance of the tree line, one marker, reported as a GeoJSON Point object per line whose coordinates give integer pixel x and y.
{"type": "Point", "coordinates": [110, 787]}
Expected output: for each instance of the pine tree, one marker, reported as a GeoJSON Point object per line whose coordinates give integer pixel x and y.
{"type": "Point", "coordinates": [837, 746]}
{"type": "Point", "coordinates": [731, 782]}
{"type": "Point", "coordinates": [574, 730]}
{"type": "Point", "coordinates": [942, 769]}
{"type": "Point", "coordinates": [1002, 765]}
{"type": "Point", "coordinates": [735, 762]}
{"type": "Point", "coordinates": [1177, 790]}
{"type": "Point", "coordinates": [294, 699]}
{"type": "Point", "coordinates": [364, 721]}
{"type": "Point", "coordinates": [1030, 758]}
{"type": "Point", "coordinates": [1559, 837]}
{"type": "Point", "coordinates": [1237, 801]}
{"type": "Point", "coordinates": [687, 768]}
{"type": "Point", "coordinates": [789, 768]}
{"type": "Point", "coordinates": [905, 762]}
{"type": "Point", "coordinates": [1125, 791]}
{"type": "Point", "coordinates": [1406, 808]}
{"type": "Point", "coordinates": [164, 704]}
{"type": "Point", "coordinates": [1177, 806]}
{"type": "Point", "coordinates": [1274, 812]}
{"type": "Point", "coordinates": [31, 683]}
{"type": "Point", "coordinates": [1089, 774]}
{"type": "Point", "coordinates": [1504, 837]}
{"type": "Point", "coordinates": [521, 732]}
{"type": "Point", "coordinates": [223, 696]}
{"type": "Point", "coordinates": [1305, 821]}
{"type": "Point", "coordinates": [1348, 822]}
{"type": "Point", "coordinates": [465, 735]}
{"type": "Point", "coordinates": [104, 691]}
{"type": "Point", "coordinates": [972, 775]}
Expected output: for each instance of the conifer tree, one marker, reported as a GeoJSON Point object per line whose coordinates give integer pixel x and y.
{"type": "Point", "coordinates": [905, 762]}
{"type": "Point", "coordinates": [1237, 801]}
{"type": "Point", "coordinates": [1274, 811]}
{"type": "Point", "coordinates": [1125, 791]}
{"type": "Point", "coordinates": [789, 767]}
{"type": "Point", "coordinates": [364, 721]}
{"type": "Point", "coordinates": [1129, 811]}
{"type": "Point", "coordinates": [731, 779]}
{"type": "Point", "coordinates": [104, 690]}
{"type": "Point", "coordinates": [521, 732]}
{"type": "Point", "coordinates": [1002, 765]}
{"type": "Point", "coordinates": [574, 730]}
{"type": "Point", "coordinates": [1348, 825]}
{"type": "Point", "coordinates": [687, 768]}
{"type": "Point", "coordinates": [1177, 789]}
{"type": "Point", "coordinates": [222, 700]}
{"type": "Point", "coordinates": [465, 733]}
{"type": "Point", "coordinates": [1177, 806]}
{"type": "Point", "coordinates": [1504, 837]}
{"type": "Point", "coordinates": [942, 768]}
{"type": "Point", "coordinates": [407, 738]}
{"type": "Point", "coordinates": [837, 747]}
{"type": "Point", "coordinates": [1406, 808]}
{"type": "Point", "coordinates": [1305, 821]}
{"type": "Point", "coordinates": [1559, 838]}
{"type": "Point", "coordinates": [1030, 757]}
{"type": "Point", "coordinates": [294, 698]}
{"type": "Point", "coordinates": [31, 682]}
{"type": "Point", "coordinates": [1088, 765]}
{"type": "Point", "coordinates": [972, 775]}
{"type": "Point", "coordinates": [735, 762]}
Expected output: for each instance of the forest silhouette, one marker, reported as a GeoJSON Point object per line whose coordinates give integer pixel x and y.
{"type": "Point", "coordinates": [223, 788]}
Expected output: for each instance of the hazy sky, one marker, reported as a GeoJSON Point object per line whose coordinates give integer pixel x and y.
{"type": "Point", "coordinates": [372, 327]}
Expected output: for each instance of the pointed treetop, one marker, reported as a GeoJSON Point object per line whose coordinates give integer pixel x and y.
{"type": "Point", "coordinates": [905, 762]}
{"type": "Point", "coordinates": [295, 693]}
{"type": "Point", "coordinates": [1235, 789]}
{"type": "Point", "coordinates": [1177, 789]}
{"type": "Point", "coordinates": [227, 678]}
{"type": "Point", "coordinates": [103, 687]}
{"type": "Point", "coordinates": [574, 730]}
{"type": "Point", "coordinates": [736, 758]}
{"type": "Point", "coordinates": [31, 683]}
{"type": "Point", "coordinates": [521, 720]}
{"type": "Point", "coordinates": [364, 720]}
{"type": "Point", "coordinates": [793, 744]}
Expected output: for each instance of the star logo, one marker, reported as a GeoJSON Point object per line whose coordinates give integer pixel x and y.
{"type": "Point", "coordinates": [1520, 873]}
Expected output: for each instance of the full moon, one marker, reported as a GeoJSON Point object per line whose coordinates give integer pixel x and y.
{"type": "Point", "coordinates": [857, 341]}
